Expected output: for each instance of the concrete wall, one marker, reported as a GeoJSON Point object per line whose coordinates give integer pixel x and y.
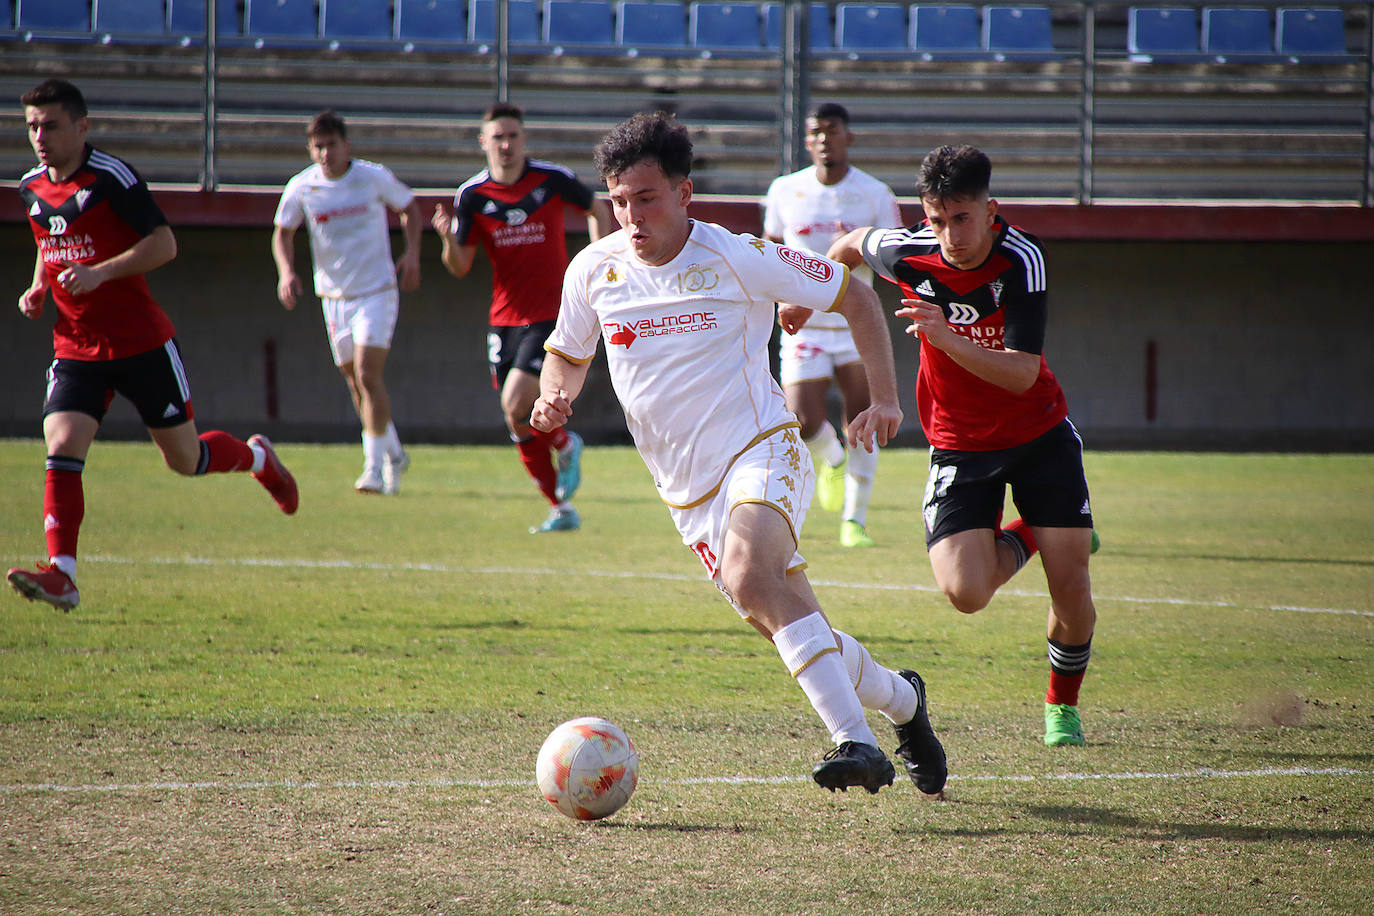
{"type": "Point", "coordinates": [1254, 346]}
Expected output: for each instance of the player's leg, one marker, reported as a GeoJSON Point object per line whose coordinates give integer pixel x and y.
{"type": "Point", "coordinates": [961, 508]}
{"type": "Point", "coordinates": [374, 410]}
{"type": "Point", "coordinates": [373, 326]}
{"type": "Point", "coordinates": [861, 465]}
{"type": "Point", "coordinates": [805, 372]}
{"type": "Point", "coordinates": [517, 357]}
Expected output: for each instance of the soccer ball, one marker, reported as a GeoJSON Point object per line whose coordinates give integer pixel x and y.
{"type": "Point", "coordinates": [588, 768]}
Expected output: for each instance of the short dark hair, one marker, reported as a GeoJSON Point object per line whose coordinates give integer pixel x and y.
{"type": "Point", "coordinates": [326, 123]}
{"type": "Point", "coordinates": [831, 111]}
{"type": "Point", "coordinates": [954, 171]}
{"type": "Point", "coordinates": [503, 110]}
{"type": "Point", "coordinates": [57, 92]}
{"type": "Point", "coordinates": [657, 136]}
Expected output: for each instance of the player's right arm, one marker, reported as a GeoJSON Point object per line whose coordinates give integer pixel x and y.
{"type": "Point", "coordinates": [457, 258]}
{"type": "Point", "coordinates": [32, 299]}
{"type": "Point", "coordinates": [289, 286]}
{"type": "Point", "coordinates": [560, 382]}
{"type": "Point", "coordinates": [848, 248]}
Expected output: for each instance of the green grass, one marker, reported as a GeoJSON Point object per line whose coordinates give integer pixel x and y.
{"type": "Point", "coordinates": [339, 712]}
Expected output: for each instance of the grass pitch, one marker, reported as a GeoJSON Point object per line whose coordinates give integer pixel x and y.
{"type": "Point", "coordinates": [339, 712]}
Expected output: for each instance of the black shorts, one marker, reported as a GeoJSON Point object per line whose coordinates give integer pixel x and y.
{"type": "Point", "coordinates": [155, 381]}
{"type": "Point", "coordinates": [966, 490]}
{"type": "Point", "coordinates": [519, 346]}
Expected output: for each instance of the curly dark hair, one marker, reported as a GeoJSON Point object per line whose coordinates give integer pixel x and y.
{"type": "Point", "coordinates": [657, 136]}
{"type": "Point", "coordinates": [57, 92]}
{"type": "Point", "coordinates": [954, 171]}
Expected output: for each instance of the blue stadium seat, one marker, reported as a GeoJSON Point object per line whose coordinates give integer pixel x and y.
{"type": "Point", "coordinates": [647, 23]}
{"type": "Point", "coordinates": [281, 19]}
{"type": "Point", "coordinates": [54, 15]}
{"type": "Point", "coordinates": [187, 18]}
{"type": "Point", "coordinates": [522, 21]}
{"type": "Point", "coordinates": [1162, 30]}
{"type": "Point", "coordinates": [579, 22]}
{"type": "Point", "coordinates": [870, 27]}
{"type": "Point", "coordinates": [130, 17]}
{"type": "Point", "coordinates": [819, 22]}
{"type": "Point", "coordinates": [1236, 30]}
{"type": "Point", "coordinates": [1303, 31]}
{"type": "Point", "coordinates": [6, 16]}
{"type": "Point", "coordinates": [432, 20]}
{"type": "Point", "coordinates": [944, 28]}
{"type": "Point", "coordinates": [1017, 28]}
{"type": "Point", "coordinates": [724, 25]}
{"type": "Point", "coordinates": [369, 19]}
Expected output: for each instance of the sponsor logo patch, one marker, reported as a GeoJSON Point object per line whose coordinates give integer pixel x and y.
{"type": "Point", "coordinates": [814, 267]}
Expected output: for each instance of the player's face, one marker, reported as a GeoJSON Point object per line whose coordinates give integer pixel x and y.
{"type": "Point", "coordinates": [828, 140]}
{"type": "Point", "coordinates": [332, 153]}
{"type": "Point", "coordinates": [963, 227]}
{"type": "Point", "coordinates": [58, 139]}
{"type": "Point", "coordinates": [503, 140]}
{"type": "Point", "coordinates": [652, 209]}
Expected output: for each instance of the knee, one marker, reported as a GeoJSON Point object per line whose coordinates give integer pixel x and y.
{"type": "Point", "coordinates": [748, 590]}
{"type": "Point", "coordinates": [183, 463]}
{"type": "Point", "coordinates": [967, 597]}
{"type": "Point", "coordinates": [370, 380]}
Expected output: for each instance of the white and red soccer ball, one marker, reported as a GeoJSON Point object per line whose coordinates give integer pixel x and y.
{"type": "Point", "coordinates": [588, 768]}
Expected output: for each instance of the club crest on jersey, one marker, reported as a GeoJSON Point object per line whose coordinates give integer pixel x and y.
{"type": "Point", "coordinates": [36, 209]}
{"type": "Point", "coordinates": [516, 217]}
{"type": "Point", "coordinates": [814, 267]}
{"type": "Point", "coordinates": [81, 197]}
{"type": "Point", "coordinates": [57, 224]}
{"type": "Point", "coordinates": [490, 208]}
{"type": "Point", "coordinates": [539, 195]}
{"type": "Point", "coordinates": [996, 288]}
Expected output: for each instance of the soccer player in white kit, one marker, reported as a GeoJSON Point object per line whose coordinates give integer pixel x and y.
{"type": "Point", "coordinates": [685, 311]}
{"type": "Point", "coordinates": [343, 202]}
{"type": "Point", "coordinates": [808, 210]}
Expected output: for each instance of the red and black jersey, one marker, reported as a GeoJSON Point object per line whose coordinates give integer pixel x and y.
{"type": "Point", "coordinates": [1001, 304]}
{"type": "Point", "coordinates": [102, 210]}
{"type": "Point", "coordinates": [521, 228]}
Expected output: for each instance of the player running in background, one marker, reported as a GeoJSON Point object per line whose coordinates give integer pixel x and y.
{"type": "Point", "coordinates": [343, 203]}
{"type": "Point", "coordinates": [514, 208]}
{"type": "Point", "coordinates": [992, 410]}
{"type": "Point", "coordinates": [808, 210]}
{"type": "Point", "coordinates": [98, 232]}
{"type": "Point", "coordinates": [685, 312]}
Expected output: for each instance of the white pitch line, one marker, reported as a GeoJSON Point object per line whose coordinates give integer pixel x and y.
{"type": "Point", "coordinates": [315, 785]}
{"type": "Point", "coordinates": [272, 563]}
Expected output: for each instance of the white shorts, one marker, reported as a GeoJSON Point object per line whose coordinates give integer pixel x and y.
{"type": "Point", "coordinates": [813, 353]}
{"type": "Point", "coordinates": [367, 321]}
{"type": "Point", "coordinates": [777, 472]}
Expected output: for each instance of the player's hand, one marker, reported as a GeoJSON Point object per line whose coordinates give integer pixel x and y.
{"type": "Point", "coordinates": [791, 318]}
{"type": "Point", "coordinates": [79, 279]}
{"type": "Point", "coordinates": [442, 221]}
{"type": "Point", "coordinates": [289, 290]}
{"type": "Point", "coordinates": [927, 320]}
{"type": "Point", "coordinates": [880, 421]}
{"type": "Point", "coordinates": [31, 301]}
{"type": "Point", "coordinates": [549, 413]}
{"type": "Point", "coordinates": [408, 269]}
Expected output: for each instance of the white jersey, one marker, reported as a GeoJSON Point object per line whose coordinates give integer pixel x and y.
{"type": "Point", "coordinates": [350, 241]}
{"type": "Point", "coordinates": [687, 344]}
{"type": "Point", "coordinates": [810, 216]}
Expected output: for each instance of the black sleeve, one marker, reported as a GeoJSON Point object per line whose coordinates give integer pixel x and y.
{"type": "Point", "coordinates": [1025, 320]}
{"type": "Point", "coordinates": [135, 206]}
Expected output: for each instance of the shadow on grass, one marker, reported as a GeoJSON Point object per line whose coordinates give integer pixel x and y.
{"type": "Point", "coordinates": [1142, 829]}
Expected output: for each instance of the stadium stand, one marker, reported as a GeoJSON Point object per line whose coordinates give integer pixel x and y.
{"type": "Point", "coordinates": [1017, 29]}
{"type": "Point", "coordinates": [579, 22]}
{"type": "Point", "coordinates": [944, 28]}
{"type": "Point", "coordinates": [186, 19]}
{"type": "Point", "coordinates": [353, 19]}
{"type": "Point", "coordinates": [53, 15]}
{"type": "Point", "coordinates": [1310, 32]}
{"type": "Point", "coordinates": [1162, 30]}
{"type": "Point", "coordinates": [821, 28]}
{"type": "Point", "coordinates": [648, 23]}
{"type": "Point", "coordinates": [870, 27]}
{"type": "Point", "coordinates": [439, 21]}
{"type": "Point", "coordinates": [522, 21]}
{"type": "Point", "coordinates": [282, 19]}
{"type": "Point", "coordinates": [720, 25]}
{"type": "Point", "coordinates": [130, 18]}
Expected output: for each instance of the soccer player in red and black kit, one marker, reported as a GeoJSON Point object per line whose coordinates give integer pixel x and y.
{"type": "Point", "coordinates": [992, 410]}
{"type": "Point", "coordinates": [98, 232]}
{"type": "Point", "coordinates": [514, 207]}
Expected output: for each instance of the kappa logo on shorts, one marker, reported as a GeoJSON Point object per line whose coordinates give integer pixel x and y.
{"type": "Point", "coordinates": [814, 267]}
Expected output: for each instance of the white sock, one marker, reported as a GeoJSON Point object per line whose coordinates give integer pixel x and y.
{"type": "Point", "coordinates": [860, 469]}
{"type": "Point", "coordinates": [393, 440]}
{"type": "Point", "coordinates": [259, 458]}
{"type": "Point", "coordinates": [877, 687]}
{"type": "Point", "coordinates": [66, 563]}
{"type": "Point", "coordinates": [374, 449]}
{"type": "Point", "coordinates": [826, 446]}
{"type": "Point", "coordinates": [808, 648]}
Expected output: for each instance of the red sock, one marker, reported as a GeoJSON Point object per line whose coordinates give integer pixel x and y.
{"type": "Point", "coordinates": [538, 461]}
{"type": "Point", "coordinates": [220, 452]}
{"type": "Point", "coordinates": [558, 439]}
{"type": "Point", "coordinates": [1019, 528]}
{"type": "Point", "coordinates": [64, 505]}
{"type": "Point", "coordinates": [1064, 688]}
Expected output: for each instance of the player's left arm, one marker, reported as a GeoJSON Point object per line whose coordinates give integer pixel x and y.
{"type": "Point", "coordinates": [560, 382]}
{"type": "Point", "coordinates": [412, 227]}
{"type": "Point", "coordinates": [148, 253]}
{"type": "Point", "coordinates": [863, 310]}
{"type": "Point", "coordinates": [600, 222]}
{"type": "Point", "coordinates": [1009, 368]}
